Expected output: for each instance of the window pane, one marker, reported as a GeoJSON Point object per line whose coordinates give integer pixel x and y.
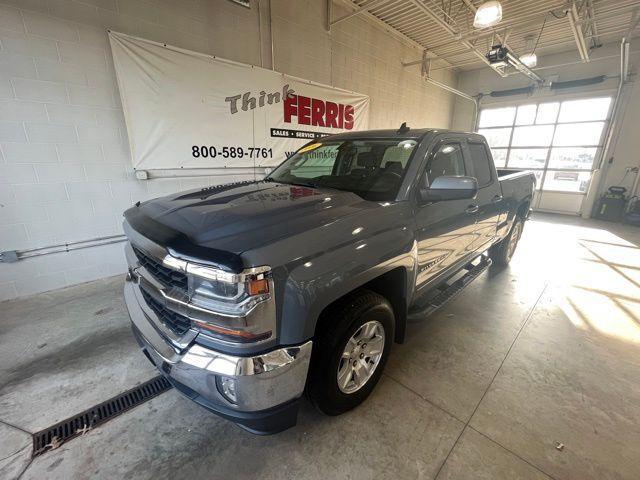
{"type": "Point", "coordinates": [496, 137]}
{"type": "Point", "coordinates": [316, 163]}
{"type": "Point", "coordinates": [448, 160]}
{"type": "Point", "coordinates": [527, 157]}
{"type": "Point", "coordinates": [547, 112]}
{"type": "Point", "coordinates": [497, 117]}
{"type": "Point", "coordinates": [579, 158]}
{"type": "Point", "coordinates": [499, 156]}
{"type": "Point", "coordinates": [526, 115]}
{"type": "Point", "coordinates": [535, 136]}
{"type": "Point", "coordinates": [579, 134]}
{"type": "Point", "coordinates": [567, 181]}
{"type": "Point", "coordinates": [481, 165]}
{"type": "Point", "coordinates": [583, 110]}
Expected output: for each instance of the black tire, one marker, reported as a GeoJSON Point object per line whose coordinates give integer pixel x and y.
{"type": "Point", "coordinates": [502, 253]}
{"type": "Point", "coordinates": [337, 327]}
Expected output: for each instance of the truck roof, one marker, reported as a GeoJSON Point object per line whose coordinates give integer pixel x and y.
{"type": "Point", "coordinates": [412, 133]}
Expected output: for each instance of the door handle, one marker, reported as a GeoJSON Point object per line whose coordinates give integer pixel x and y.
{"type": "Point", "coordinates": [496, 199]}
{"type": "Point", "coordinates": [471, 209]}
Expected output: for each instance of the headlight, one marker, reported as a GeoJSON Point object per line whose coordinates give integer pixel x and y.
{"type": "Point", "coordinates": [234, 307]}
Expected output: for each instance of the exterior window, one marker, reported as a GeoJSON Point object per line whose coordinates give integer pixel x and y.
{"type": "Point", "coordinates": [584, 110]}
{"type": "Point", "coordinates": [496, 117]}
{"type": "Point", "coordinates": [570, 134]}
{"type": "Point", "coordinates": [558, 141]}
{"type": "Point", "coordinates": [528, 157]}
{"type": "Point", "coordinates": [481, 165]}
{"type": "Point", "coordinates": [499, 156]}
{"type": "Point", "coordinates": [497, 137]}
{"type": "Point", "coordinates": [536, 136]}
{"type": "Point", "coordinates": [447, 161]}
{"type": "Point", "coordinates": [526, 114]}
{"type": "Point", "coordinates": [547, 113]}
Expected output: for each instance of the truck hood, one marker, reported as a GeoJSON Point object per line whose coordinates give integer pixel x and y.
{"type": "Point", "coordinates": [240, 217]}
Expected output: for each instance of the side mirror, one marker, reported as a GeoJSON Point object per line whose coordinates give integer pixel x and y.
{"type": "Point", "coordinates": [449, 188]}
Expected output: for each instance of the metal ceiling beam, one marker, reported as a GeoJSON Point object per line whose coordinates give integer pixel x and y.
{"type": "Point", "coordinates": [357, 11]}
{"type": "Point", "coordinates": [453, 33]}
{"type": "Point", "coordinates": [578, 35]}
{"type": "Point", "coordinates": [593, 27]}
{"type": "Point", "coordinates": [635, 19]}
{"type": "Point", "coordinates": [388, 28]}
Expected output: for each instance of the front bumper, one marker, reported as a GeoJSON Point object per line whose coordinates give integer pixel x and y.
{"type": "Point", "coordinates": [267, 386]}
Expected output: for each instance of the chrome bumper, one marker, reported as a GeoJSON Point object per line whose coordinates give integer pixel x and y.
{"type": "Point", "coordinates": [262, 382]}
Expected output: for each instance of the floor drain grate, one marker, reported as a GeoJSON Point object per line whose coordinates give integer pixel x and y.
{"type": "Point", "coordinates": [54, 436]}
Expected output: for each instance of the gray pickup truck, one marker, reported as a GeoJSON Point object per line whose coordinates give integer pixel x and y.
{"type": "Point", "coordinates": [247, 295]}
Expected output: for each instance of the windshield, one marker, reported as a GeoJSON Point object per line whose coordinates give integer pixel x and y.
{"type": "Point", "coordinates": [372, 169]}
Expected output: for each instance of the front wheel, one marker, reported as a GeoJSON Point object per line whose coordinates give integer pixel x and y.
{"type": "Point", "coordinates": [501, 253]}
{"type": "Point", "coordinates": [350, 353]}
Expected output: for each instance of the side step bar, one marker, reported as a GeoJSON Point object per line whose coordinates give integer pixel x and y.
{"type": "Point", "coordinates": [446, 292]}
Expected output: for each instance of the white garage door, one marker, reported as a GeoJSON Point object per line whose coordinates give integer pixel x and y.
{"type": "Point", "coordinates": [558, 141]}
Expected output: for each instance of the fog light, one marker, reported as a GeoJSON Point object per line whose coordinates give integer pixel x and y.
{"type": "Point", "coordinates": [227, 388]}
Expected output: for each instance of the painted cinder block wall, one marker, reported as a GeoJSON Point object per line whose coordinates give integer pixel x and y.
{"type": "Point", "coordinates": [65, 168]}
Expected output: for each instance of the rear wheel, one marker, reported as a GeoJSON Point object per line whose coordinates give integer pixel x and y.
{"type": "Point", "coordinates": [502, 252]}
{"type": "Point", "coordinates": [350, 352]}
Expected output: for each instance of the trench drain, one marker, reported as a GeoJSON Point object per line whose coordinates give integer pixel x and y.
{"type": "Point", "coordinates": [52, 437]}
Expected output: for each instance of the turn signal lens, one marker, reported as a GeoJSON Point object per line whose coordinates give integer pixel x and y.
{"type": "Point", "coordinates": [231, 334]}
{"type": "Point", "coordinates": [258, 287]}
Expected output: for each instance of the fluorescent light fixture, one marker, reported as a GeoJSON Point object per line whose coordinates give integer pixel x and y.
{"type": "Point", "coordinates": [488, 14]}
{"type": "Point", "coordinates": [530, 60]}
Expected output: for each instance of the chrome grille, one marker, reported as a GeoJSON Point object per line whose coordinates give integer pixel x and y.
{"type": "Point", "coordinates": [165, 275]}
{"type": "Point", "coordinates": [178, 324]}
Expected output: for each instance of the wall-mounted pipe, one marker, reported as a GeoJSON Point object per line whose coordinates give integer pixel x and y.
{"type": "Point", "coordinates": [601, 167]}
{"type": "Point", "coordinates": [15, 255]}
{"type": "Point", "coordinates": [455, 91]}
{"type": "Point", "coordinates": [624, 70]}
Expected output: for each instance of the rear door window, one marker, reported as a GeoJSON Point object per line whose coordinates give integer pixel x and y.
{"type": "Point", "coordinates": [481, 163]}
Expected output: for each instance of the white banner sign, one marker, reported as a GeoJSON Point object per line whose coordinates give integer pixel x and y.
{"type": "Point", "coordinates": [189, 110]}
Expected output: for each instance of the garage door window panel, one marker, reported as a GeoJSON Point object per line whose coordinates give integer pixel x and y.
{"type": "Point", "coordinates": [526, 114]}
{"type": "Point", "coordinates": [497, 117]}
{"type": "Point", "coordinates": [574, 158]}
{"type": "Point", "coordinates": [547, 113]}
{"type": "Point", "coordinates": [533, 136]}
{"type": "Point", "coordinates": [497, 137]}
{"type": "Point", "coordinates": [584, 110]}
{"type": "Point", "coordinates": [578, 134]}
{"type": "Point", "coordinates": [568, 181]}
{"type": "Point", "coordinates": [500, 156]}
{"type": "Point", "coordinates": [557, 141]}
{"type": "Point", "coordinates": [528, 157]}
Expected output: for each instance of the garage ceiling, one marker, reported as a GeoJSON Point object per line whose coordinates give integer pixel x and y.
{"type": "Point", "coordinates": [445, 27]}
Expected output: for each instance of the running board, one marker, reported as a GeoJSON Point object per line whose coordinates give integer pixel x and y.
{"type": "Point", "coordinates": [446, 292]}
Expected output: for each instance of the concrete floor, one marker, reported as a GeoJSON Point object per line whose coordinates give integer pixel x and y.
{"type": "Point", "coordinates": [545, 352]}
